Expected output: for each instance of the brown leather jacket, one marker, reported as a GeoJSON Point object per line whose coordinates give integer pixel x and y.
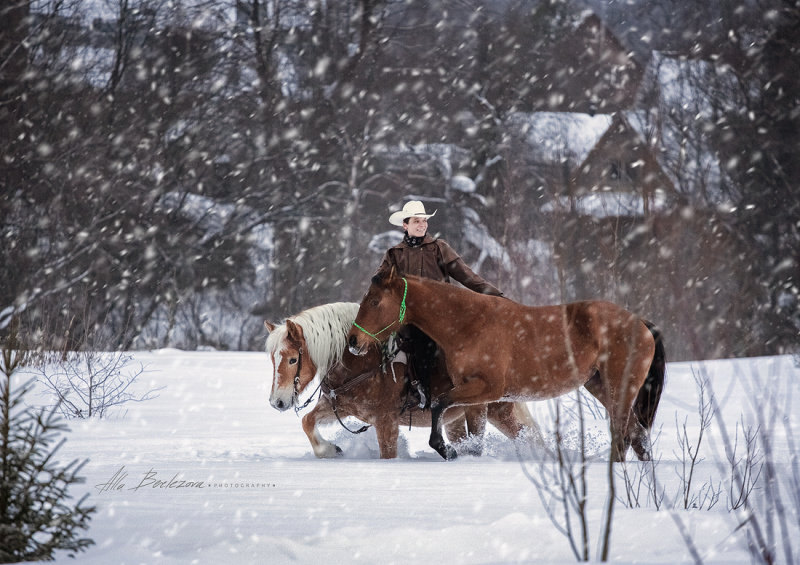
{"type": "Point", "coordinates": [435, 259]}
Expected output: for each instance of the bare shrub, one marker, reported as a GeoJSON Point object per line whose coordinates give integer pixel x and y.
{"type": "Point", "coordinates": [561, 481]}
{"type": "Point", "coordinates": [640, 482]}
{"type": "Point", "coordinates": [87, 384]}
{"type": "Point", "coordinates": [739, 476]}
{"type": "Point", "coordinates": [747, 467]}
{"type": "Point", "coordinates": [768, 528]}
{"type": "Point", "coordinates": [708, 494]}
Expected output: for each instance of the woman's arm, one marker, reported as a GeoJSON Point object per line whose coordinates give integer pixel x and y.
{"type": "Point", "coordinates": [457, 269]}
{"type": "Point", "coordinates": [462, 273]}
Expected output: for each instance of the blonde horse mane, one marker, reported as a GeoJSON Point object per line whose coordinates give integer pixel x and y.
{"type": "Point", "coordinates": [325, 330]}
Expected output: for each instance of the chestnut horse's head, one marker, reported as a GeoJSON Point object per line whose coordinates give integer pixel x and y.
{"type": "Point", "coordinates": [382, 311]}
{"type": "Point", "coordinates": [292, 365]}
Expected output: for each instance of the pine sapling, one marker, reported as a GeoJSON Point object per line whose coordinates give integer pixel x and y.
{"type": "Point", "coordinates": [36, 515]}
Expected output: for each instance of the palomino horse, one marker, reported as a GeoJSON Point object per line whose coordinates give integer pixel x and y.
{"type": "Point", "coordinates": [497, 349]}
{"type": "Point", "coordinates": [311, 347]}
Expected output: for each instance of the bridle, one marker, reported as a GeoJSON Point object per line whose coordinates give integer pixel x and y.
{"type": "Point", "coordinates": [299, 368]}
{"type": "Point", "coordinates": [325, 388]}
{"type": "Point", "coordinates": [296, 388]}
{"type": "Point", "coordinates": [399, 320]}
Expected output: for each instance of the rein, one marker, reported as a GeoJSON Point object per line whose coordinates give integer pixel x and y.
{"type": "Point", "coordinates": [298, 409]}
{"type": "Point", "coordinates": [400, 319]}
{"type": "Point", "coordinates": [347, 385]}
{"type": "Point", "coordinates": [324, 388]}
{"type": "Point", "coordinates": [331, 392]}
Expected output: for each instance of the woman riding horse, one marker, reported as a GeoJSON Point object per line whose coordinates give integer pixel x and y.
{"type": "Point", "coordinates": [421, 255]}
{"type": "Point", "coordinates": [499, 350]}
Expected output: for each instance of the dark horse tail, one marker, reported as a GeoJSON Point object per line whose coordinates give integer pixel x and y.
{"type": "Point", "coordinates": [649, 395]}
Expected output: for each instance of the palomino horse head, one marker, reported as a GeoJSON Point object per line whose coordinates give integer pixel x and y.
{"type": "Point", "coordinates": [382, 311]}
{"type": "Point", "coordinates": [292, 364]}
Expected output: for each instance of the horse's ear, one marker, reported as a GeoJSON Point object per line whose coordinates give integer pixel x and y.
{"type": "Point", "coordinates": [294, 331]}
{"type": "Point", "coordinates": [382, 275]}
{"type": "Point", "coordinates": [392, 273]}
{"type": "Point", "coordinates": [270, 326]}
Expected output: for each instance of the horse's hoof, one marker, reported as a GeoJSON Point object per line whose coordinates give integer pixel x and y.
{"type": "Point", "coordinates": [449, 453]}
{"type": "Point", "coordinates": [330, 451]}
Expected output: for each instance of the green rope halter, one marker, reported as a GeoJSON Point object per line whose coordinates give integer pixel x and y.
{"type": "Point", "coordinates": [399, 319]}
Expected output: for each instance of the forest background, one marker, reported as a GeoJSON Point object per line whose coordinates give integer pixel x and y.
{"type": "Point", "coordinates": [174, 172]}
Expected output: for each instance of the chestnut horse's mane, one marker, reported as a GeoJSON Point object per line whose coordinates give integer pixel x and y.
{"type": "Point", "coordinates": [325, 330]}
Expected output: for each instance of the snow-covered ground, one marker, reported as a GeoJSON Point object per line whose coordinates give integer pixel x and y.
{"type": "Point", "coordinates": [208, 472]}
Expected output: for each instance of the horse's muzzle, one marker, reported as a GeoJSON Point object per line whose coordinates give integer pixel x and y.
{"type": "Point", "coordinates": [281, 405]}
{"type": "Point", "coordinates": [354, 348]}
{"type": "Point", "coordinates": [357, 351]}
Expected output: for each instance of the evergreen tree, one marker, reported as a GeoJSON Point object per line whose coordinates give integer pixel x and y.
{"type": "Point", "coordinates": [36, 517]}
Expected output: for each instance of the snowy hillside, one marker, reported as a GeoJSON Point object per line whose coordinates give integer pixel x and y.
{"type": "Point", "coordinates": [209, 473]}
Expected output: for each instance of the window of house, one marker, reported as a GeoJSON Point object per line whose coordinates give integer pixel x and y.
{"type": "Point", "coordinates": [615, 170]}
{"type": "Point", "coordinates": [628, 172]}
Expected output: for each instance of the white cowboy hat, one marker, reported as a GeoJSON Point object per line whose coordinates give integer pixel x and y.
{"type": "Point", "coordinates": [412, 209]}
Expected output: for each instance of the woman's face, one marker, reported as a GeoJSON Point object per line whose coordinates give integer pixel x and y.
{"type": "Point", "coordinates": [416, 227]}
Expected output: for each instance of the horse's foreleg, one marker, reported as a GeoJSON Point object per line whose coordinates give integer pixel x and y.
{"type": "Point", "coordinates": [322, 412]}
{"type": "Point", "coordinates": [455, 428]}
{"type": "Point", "coordinates": [476, 426]}
{"type": "Point", "coordinates": [436, 440]}
{"type": "Point", "coordinates": [387, 429]}
{"type": "Point", "coordinates": [476, 419]}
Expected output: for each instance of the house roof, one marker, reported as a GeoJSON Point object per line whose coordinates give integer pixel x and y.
{"type": "Point", "coordinates": [555, 136]}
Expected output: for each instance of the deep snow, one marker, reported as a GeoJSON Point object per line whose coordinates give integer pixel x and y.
{"type": "Point", "coordinates": [266, 499]}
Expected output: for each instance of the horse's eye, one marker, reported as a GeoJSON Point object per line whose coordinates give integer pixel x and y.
{"type": "Point", "coordinates": [293, 360]}
{"type": "Point", "coordinates": [374, 302]}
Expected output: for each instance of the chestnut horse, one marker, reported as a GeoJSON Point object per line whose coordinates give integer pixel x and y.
{"type": "Point", "coordinates": [497, 349]}
{"type": "Point", "coordinates": [311, 349]}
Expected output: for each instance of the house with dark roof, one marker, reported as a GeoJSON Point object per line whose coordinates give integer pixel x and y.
{"type": "Point", "coordinates": [624, 166]}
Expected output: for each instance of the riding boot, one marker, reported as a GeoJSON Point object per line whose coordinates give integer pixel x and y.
{"type": "Point", "coordinates": [405, 345]}
{"type": "Point", "coordinates": [416, 392]}
{"type": "Point", "coordinates": [423, 360]}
